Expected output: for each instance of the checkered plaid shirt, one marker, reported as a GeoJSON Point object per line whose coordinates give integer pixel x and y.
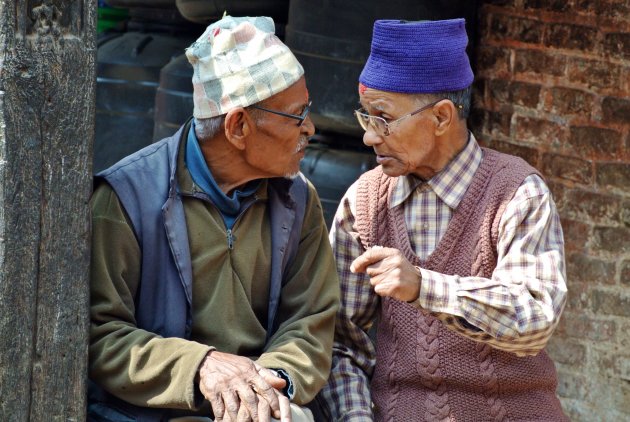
{"type": "Point", "coordinates": [519, 306]}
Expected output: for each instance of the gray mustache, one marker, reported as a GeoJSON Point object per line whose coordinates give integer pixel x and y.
{"type": "Point", "coordinates": [302, 143]}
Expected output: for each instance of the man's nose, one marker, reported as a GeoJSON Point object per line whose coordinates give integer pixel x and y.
{"type": "Point", "coordinates": [308, 127]}
{"type": "Point", "coordinates": [371, 138]}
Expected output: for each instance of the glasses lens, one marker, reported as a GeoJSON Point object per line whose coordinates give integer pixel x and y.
{"type": "Point", "coordinates": [307, 109]}
{"type": "Point", "coordinates": [362, 118]}
{"type": "Point", "coordinates": [379, 125]}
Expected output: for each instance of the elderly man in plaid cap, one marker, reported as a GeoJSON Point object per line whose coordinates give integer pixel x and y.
{"type": "Point", "coordinates": [455, 251]}
{"type": "Point", "coordinates": [213, 287]}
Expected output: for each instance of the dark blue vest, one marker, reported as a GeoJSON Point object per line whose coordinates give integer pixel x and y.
{"type": "Point", "coordinates": [146, 185]}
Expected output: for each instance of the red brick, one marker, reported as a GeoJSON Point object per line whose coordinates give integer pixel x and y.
{"type": "Point", "coordinates": [613, 363]}
{"type": "Point", "coordinates": [528, 154]}
{"type": "Point", "coordinates": [550, 5]}
{"type": "Point", "coordinates": [476, 121]}
{"type": "Point", "coordinates": [611, 303]}
{"type": "Point", "coordinates": [612, 239]}
{"type": "Point", "coordinates": [613, 175]}
{"type": "Point", "coordinates": [578, 295]}
{"type": "Point", "coordinates": [618, 45]}
{"type": "Point", "coordinates": [589, 6]}
{"type": "Point", "coordinates": [595, 143]}
{"type": "Point", "coordinates": [478, 92]}
{"type": "Point", "coordinates": [494, 59]}
{"type": "Point", "coordinates": [502, 2]}
{"type": "Point", "coordinates": [567, 168]}
{"type": "Point", "coordinates": [540, 62]}
{"type": "Point", "coordinates": [499, 92]}
{"type": "Point", "coordinates": [558, 190]}
{"type": "Point", "coordinates": [578, 325]}
{"type": "Point", "coordinates": [611, 8]}
{"type": "Point", "coordinates": [572, 386]}
{"type": "Point", "coordinates": [542, 132]}
{"type": "Point", "coordinates": [570, 101]}
{"type": "Point", "coordinates": [525, 94]}
{"type": "Point", "coordinates": [566, 351]}
{"type": "Point", "coordinates": [514, 93]}
{"type": "Point", "coordinates": [498, 123]}
{"type": "Point", "coordinates": [586, 269]}
{"type": "Point", "coordinates": [625, 273]}
{"type": "Point", "coordinates": [620, 399]}
{"type": "Point", "coordinates": [591, 207]}
{"type": "Point", "coordinates": [508, 28]}
{"type": "Point", "coordinates": [618, 9]}
{"type": "Point", "coordinates": [592, 74]}
{"type": "Point", "coordinates": [625, 213]}
{"type": "Point", "coordinates": [576, 235]}
{"type": "Point", "coordinates": [616, 110]}
{"type": "Point", "coordinates": [572, 37]}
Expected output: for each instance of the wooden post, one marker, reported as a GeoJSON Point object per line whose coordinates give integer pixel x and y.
{"type": "Point", "coordinates": [47, 89]}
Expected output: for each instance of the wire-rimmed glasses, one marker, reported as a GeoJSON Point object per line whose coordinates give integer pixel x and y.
{"type": "Point", "coordinates": [380, 125]}
{"type": "Point", "coordinates": [300, 117]}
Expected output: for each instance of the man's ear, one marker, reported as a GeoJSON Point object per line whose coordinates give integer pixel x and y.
{"type": "Point", "coordinates": [446, 113]}
{"type": "Point", "coordinates": [238, 126]}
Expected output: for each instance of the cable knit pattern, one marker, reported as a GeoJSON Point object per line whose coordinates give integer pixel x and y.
{"type": "Point", "coordinates": [490, 383]}
{"type": "Point", "coordinates": [424, 370]}
{"type": "Point", "coordinates": [428, 367]}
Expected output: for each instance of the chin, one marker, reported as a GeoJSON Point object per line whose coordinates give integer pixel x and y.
{"type": "Point", "coordinates": [393, 172]}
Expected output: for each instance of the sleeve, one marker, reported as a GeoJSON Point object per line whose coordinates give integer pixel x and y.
{"type": "Point", "coordinates": [517, 309]}
{"type": "Point", "coordinates": [135, 365]}
{"type": "Point", "coordinates": [308, 303]}
{"type": "Point", "coordinates": [347, 393]}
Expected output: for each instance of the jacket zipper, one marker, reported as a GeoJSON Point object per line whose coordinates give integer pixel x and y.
{"type": "Point", "coordinates": [229, 233]}
{"type": "Point", "coordinates": [230, 239]}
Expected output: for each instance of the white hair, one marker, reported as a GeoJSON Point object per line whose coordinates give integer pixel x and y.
{"type": "Point", "coordinates": [208, 128]}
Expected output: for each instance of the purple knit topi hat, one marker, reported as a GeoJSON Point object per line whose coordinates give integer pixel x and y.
{"type": "Point", "coordinates": [418, 57]}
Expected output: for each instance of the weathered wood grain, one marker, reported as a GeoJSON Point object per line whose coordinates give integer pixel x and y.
{"type": "Point", "coordinates": [47, 88]}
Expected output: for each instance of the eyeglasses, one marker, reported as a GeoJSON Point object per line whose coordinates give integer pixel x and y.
{"type": "Point", "coordinates": [300, 118]}
{"type": "Point", "coordinates": [380, 125]}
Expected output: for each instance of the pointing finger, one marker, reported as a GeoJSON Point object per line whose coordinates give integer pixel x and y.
{"type": "Point", "coordinates": [369, 257]}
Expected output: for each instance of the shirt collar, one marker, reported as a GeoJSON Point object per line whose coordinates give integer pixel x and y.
{"type": "Point", "coordinates": [203, 178]}
{"type": "Point", "coordinates": [450, 184]}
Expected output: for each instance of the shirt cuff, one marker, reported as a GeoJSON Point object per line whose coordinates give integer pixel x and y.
{"type": "Point", "coordinates": [438, 292]}
{"type": "Point", "coordinates": [289, 389]}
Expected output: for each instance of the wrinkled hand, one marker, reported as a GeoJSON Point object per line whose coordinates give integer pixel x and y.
{"type": "Point", "coordinates": [240, 390]}
{"type": "Point", "coordinates": [285, 405]}
{"type": "Point", "coordinates": [391, 274]}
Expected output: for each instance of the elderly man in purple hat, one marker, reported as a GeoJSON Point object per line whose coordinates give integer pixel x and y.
{"type": "Point", "coordinates": [452, 251]}
{"type": "Point", "coordinates": [213, 287]}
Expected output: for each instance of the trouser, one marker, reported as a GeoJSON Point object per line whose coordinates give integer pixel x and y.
{"type": "Point", "coordinates": [298, 414]}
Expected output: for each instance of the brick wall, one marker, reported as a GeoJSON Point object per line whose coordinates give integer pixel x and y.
{"type": "Point", "coordinates": [553, 86]}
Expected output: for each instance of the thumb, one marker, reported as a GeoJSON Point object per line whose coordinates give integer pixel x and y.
{"type": "Point", "coordinates": [271, 377]}
{"type": "Point", "coordinates": [369, 257]}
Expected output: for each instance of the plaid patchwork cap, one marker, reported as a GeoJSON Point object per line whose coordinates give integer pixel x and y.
{"type": "Point", "coordinates": [239, 61]}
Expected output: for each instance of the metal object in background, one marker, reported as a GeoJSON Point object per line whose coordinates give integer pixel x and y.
{"type": "Point", "coordinates": [129, 4]}
{"type": "Point", "coordinates": [174, 97]}
{"type": "Point", "coordinates": [332, 41]}
{"type": "Point", "coordinates": [128, 68]}
{"type": "Point", "coordinates": [332, 170]}
{"type": "Point", "coordinates": [206, 11]}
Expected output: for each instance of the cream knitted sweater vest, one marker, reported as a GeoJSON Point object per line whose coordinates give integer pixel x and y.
{"type": "Point", "coordinates": [424, 371]}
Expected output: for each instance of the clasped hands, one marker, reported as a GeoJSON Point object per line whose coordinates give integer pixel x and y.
{"type": "Point", "coordinates": [240, 390]}
{"type": "Point", "coordinates": [391, 274]}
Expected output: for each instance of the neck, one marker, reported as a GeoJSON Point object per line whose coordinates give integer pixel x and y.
{"type": "Point", "coordinates": [227, 164]}
{"type": "Point", "coordinates": [448, 146]}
